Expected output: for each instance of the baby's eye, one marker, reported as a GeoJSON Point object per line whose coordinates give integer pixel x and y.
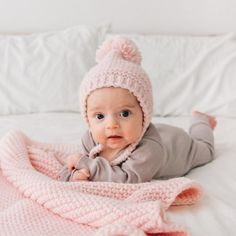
{"type": "Point", "coordinates": [125, 113]}
{"type": "Point", "coordinates": [99, 116]}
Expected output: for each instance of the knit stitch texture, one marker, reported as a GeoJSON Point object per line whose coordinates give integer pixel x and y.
{"type": "Point", "coordinates": [34, 202]}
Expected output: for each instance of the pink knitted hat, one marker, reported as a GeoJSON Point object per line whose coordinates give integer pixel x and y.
{"type": "Point", "coordinates": [119, 66]}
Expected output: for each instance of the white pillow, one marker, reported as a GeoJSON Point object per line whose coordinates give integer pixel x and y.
{"type": "Point", "coordinates": [42, 72]}
{"type": "Point", "coordinates": [190, 72]}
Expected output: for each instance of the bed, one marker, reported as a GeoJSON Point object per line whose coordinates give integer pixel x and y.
{"type": "Point", "coordinates": [191, 66]}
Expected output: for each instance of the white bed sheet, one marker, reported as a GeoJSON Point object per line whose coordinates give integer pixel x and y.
{"type": "Point", "coordinates": [214, 215]}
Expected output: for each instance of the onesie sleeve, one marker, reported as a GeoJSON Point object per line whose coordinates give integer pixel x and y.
{"type": "Point", "coordinates": [143, 164]}
{"type": "Point", "coordinates": [87, 144]}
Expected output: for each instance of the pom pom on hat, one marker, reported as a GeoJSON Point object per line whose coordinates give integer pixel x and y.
{"type": "Point", "coordinates": [126, 47]}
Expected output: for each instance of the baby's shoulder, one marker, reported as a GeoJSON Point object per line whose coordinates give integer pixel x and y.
{"type": "Point", "coordinates": [159, 131]}
{"type": "Point", "coordinates": [151, 131]}
{"type": "Point", "coordinates": [151, 143]}
{"type": "Point", "coordinates": [151, 135]}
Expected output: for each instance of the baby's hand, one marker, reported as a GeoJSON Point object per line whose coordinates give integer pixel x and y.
{"type": "Point", "coordinates": [72, 161]}
{"type": "Point", "coordinates": [82, 174]}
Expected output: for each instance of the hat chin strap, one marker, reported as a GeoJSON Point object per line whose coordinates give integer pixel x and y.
{"type": "Point", "coordinates": [95, 150]}
{"type": "Point", "coordinates": [126, 154]}
{"type": "Point", "coordinates": [123, 157]}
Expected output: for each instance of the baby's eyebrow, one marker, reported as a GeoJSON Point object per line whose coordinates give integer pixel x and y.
{"type": "Point", "coordinates": [127, 106]}
{"type": "Point", "coordinates": [121, 106]}
{"type": "Point", "coordinates": [100, 109]}
{"type": "Point", "coordinates": [94, 109]}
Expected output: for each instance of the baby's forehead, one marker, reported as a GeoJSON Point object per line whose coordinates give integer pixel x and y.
{"type": "Point", "coordinates": [107, 90]}
{"type": "Point", "coordinates": [111, 97]}
{"type": "Point", "coordinates": [111, 92]}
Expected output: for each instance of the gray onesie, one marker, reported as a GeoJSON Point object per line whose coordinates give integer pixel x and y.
{"type": "Point", "coordinates": [164, 152]}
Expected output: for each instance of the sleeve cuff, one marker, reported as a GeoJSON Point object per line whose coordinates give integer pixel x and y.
{"type": "Point", "coordinates": [87, 163]}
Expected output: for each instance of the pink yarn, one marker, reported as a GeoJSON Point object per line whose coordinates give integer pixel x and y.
{"type": "Point", "coordinates": [33, 202]}
{"type": "Point", "coordinates": [127, 49]}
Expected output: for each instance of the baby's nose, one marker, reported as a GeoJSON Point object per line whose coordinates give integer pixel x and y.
{"type": "Point", "coordinates": [112, 124]}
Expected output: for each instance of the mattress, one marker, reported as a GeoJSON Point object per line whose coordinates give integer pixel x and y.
{"type": "Point", "coordinates": [214, 215]}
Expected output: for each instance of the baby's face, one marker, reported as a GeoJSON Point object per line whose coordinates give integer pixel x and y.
{"type": "Point", "coordinates": [115, 118]}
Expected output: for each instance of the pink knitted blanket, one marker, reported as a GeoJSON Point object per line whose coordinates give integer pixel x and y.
{"type": "Point", "coordinates": [34, 202]}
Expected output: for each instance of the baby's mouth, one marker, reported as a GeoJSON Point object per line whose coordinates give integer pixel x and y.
{"type": "Point", "coordinates": [114, 137]}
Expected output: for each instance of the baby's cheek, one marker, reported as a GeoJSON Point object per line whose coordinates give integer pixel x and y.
{"type": "Point", "coordinates": [132, 135]}
{"type": "Point", "coordinates": [99, 137]}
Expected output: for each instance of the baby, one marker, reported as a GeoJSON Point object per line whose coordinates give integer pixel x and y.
{"type": "Point", "coordinates": [121, 144]}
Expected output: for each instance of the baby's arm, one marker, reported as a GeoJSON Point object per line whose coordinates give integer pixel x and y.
{"type": "Point", "coordinates": [69, 173]}
{"type": "Point", "coordinates": [77, 175]}
{"type": "Point", "coordinates": [142, 165]}
{"type": "Point", "coordinates": [72, 160]}
{"type": "Point", "coordinates": [81, 174]}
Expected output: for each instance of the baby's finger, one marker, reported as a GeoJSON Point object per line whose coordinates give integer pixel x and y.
{"type": "Point", "coordinates": [78, 176]}
{"type": "Point", "coordinates": [85, 172]}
